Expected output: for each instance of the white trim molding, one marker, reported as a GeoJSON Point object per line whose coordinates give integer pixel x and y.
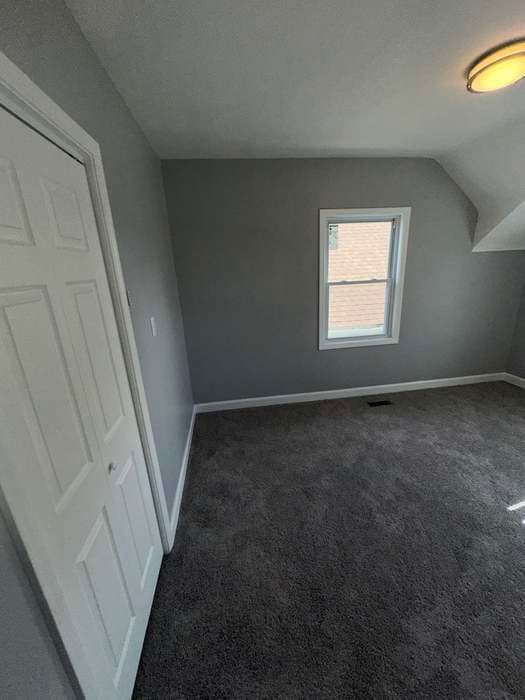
{"type": "Point", "coordinates": [350, 393]}
{"type": "Point", "coordinates": [26, 101]}
{"type": "Point", "coordinates": [515, 380]}
{"type": "Point", "coordinates": [175, 510]}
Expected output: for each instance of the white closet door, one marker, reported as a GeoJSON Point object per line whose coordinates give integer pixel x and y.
{"type": "Point", "coordinates": [68, 435]}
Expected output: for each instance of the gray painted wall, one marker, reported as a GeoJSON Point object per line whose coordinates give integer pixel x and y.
{"type": "Point", "coordinates": [516, 361]}
{"type": "Point", "coordinates": [246, 249]}
{"type": "Point", "coordinates": [45, 42]}
{"type": "Point", "coordinates": [30, 666]}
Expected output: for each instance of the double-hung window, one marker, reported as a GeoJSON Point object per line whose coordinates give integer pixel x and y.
{"type": "Point", "coordinates": [361, 271]}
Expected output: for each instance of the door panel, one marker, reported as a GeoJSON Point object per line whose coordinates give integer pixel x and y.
{"type": "Point", "coordinates": [65, 219]}
{"type": "Point", "coordinates": [106, 396]}
{"type": "Point", "coordinates": [136, 516]}
{"type": "Point", "coordinates": [14, 224]}
{"type": "Point", "coordinates": [106, 586]}
{"type": "Point", "coordinates": [28, 324]}
{"type": "Point", "coordinates": [68, 432]}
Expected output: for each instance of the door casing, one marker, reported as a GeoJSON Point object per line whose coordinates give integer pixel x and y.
{"type": "Point", "coordinates": [24, 99]}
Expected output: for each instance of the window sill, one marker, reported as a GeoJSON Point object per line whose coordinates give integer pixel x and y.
{"type": "Point", "coordinates": [337, 343]}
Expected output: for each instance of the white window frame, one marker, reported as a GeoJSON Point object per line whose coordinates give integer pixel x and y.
{"type": "Point", "coordinates": [395, 280]}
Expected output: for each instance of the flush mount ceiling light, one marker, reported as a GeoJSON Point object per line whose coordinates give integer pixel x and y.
{"type": "Point", "coordinates": [498, 68]}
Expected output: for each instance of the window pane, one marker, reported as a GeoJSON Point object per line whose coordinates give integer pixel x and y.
{"type": "Point", "coordinates": [356, 309]}
{"type": "Point", "coordinates": [358, 250]}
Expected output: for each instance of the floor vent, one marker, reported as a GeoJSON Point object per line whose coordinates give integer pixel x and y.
{"type": "Point", "coordinates": [382, 402]}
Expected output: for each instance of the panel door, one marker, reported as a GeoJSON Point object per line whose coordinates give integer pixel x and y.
{"type": "Point", "coordinates": [68, 433]}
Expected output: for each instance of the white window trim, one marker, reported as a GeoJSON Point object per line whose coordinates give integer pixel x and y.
{"type": "Point", "coordinates": [391, 336]}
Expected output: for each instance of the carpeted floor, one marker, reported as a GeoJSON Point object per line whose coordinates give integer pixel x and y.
{"type": "Point", "coordinates": [333, 550]}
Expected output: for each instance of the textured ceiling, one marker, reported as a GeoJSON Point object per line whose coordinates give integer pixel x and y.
{"type": "Point", "coordinates": [265, 78]}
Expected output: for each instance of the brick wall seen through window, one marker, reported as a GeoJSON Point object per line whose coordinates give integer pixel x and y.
{"type": "Point", "coordinates": [361, 253]}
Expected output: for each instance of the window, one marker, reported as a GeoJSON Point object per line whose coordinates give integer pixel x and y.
{"type": "Point", "coordinates": [362, 262]}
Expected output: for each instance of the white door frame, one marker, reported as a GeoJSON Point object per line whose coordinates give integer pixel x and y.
{"type": "Point", "coordinates": [29, 103]}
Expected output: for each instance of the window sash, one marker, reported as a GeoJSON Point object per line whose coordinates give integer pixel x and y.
{"type": "Point", "coordinates": [358, 333]}
{"type": "Point", "coordinates": [365, 332]}
{"type": "Point", "coordinates": [372, 280]}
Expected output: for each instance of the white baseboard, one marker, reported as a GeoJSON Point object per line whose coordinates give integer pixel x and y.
{"type": "Point", "coordinates": [514, 379]}
{"type": "Point", "coordinates": [174, 516]}
{"type": "Point", "coordinates": [356, 391]}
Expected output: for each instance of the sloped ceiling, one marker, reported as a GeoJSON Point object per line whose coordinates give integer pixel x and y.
{"type": "Point", "coordinates": [491, 171]}
{"type": "Point", "coordinates": [302, 78]}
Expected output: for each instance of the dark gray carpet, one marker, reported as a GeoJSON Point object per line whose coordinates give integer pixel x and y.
{"type": "Point", "coordinates": [332, 550]}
